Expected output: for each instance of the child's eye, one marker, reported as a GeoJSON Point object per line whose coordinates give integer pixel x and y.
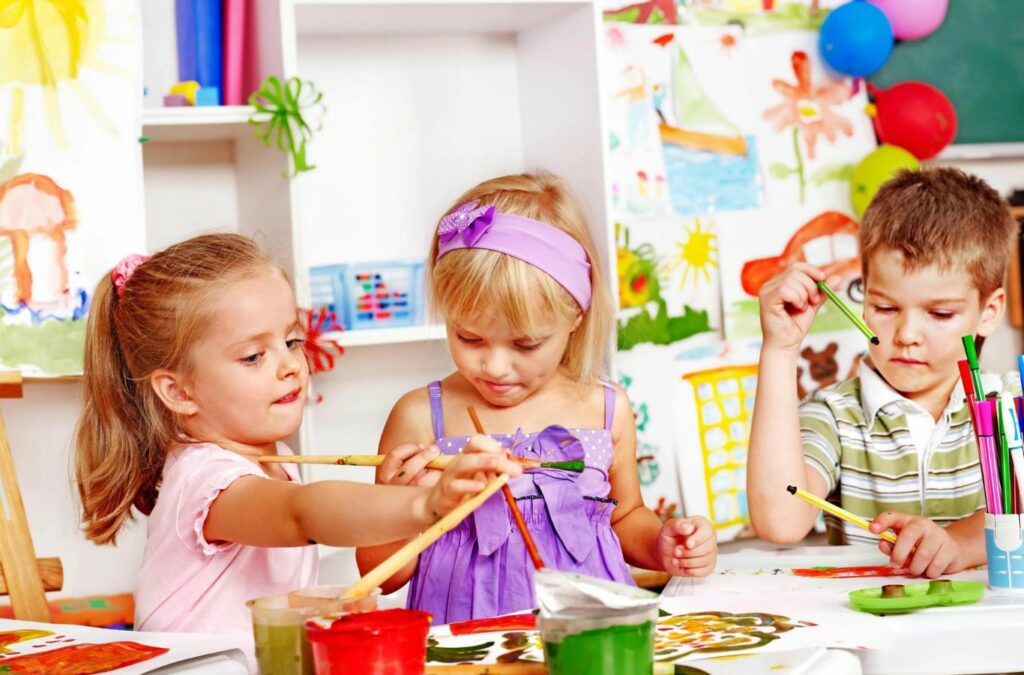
{"type": "Point", "coordinates": [943, 316]}
{"type": "Point", "coordinates": [884, 309]}
{"type": "Point", "coordinates": [469, 341]}
{"type": "Point", "coordinates": [529, 347]}
{"type": "Point", "coordinates": [252, 359]}
{"type": "Point", "coordinates": [295, 343]}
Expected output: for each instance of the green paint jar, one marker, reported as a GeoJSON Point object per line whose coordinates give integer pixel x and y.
{"type": "Point", "coordinates": [279, 625]}
{"type": "Point", "coordinates": [619, 643]}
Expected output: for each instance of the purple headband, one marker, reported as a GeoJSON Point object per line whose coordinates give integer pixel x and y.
{"type": "Point", "coordinates": [545, 247]}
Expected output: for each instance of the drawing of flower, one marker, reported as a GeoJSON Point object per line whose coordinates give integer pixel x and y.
{"type": "Point", "coordinates": [808, 109]}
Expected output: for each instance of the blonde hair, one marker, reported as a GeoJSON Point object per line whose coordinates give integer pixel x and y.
{"type": "Point", "coordinates": [945, 217]}
{"type": "Point", "coordinates": [469, 282]}
{"type": "Point", "coordinates": [125, 430]}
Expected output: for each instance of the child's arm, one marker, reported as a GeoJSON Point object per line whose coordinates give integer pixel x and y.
{"type": "Point", "coordinates": [938, 550]}
{"type": "Point", "coordinates": [405, 465]}
{"type": "Point", "coordinates": [775, 459]}
{"type": "Point", "coordinates": [680, 546]}
{"type": "Point", "coordinates": [257, 511]}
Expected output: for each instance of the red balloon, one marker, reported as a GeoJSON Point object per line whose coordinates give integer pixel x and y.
{"type": "Point", "coordinates": [916, 117]}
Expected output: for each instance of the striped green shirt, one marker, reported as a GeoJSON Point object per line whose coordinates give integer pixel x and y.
{"type": "Point", "coordinates": [857, 435]}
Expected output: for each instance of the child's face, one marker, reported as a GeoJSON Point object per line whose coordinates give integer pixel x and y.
{"type": "Point", "coordinates": [504, 365]}
{"type": "Point", "coordinates": [250, 372]}
{"type": "Point", "coordinates": [920, 318]}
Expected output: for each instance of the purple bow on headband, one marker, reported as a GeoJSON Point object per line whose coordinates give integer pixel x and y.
{"type": "Point", "coordinates": [468, 220]}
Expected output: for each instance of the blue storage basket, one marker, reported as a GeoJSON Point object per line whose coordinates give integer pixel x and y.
{"type": "Point", "coordinates": [370, 295]}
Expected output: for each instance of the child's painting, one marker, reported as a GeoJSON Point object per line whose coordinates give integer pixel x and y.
{"type": "Point", "coordinates": [668, 280]}
{"type": "Point", "coordinates": [70, 172]}
{"type": "Point", "coordinates": [38, 648]}
{"type": "Point", "coordinates": [756, 248]}
{"type": "Point", "coordinates": [644, 373]}
{"type": "Point", "coordinates": [677, 142]}
{"type": "Point", "coordinates": [714, 394]}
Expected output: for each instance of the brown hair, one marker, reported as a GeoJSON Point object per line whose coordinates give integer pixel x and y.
{"type": "Point", "coordinates": [125, 430]}
{"type": "Point", "coordinates": [467, 282]}
{"type": "Point", "coordinates": [941, 216]}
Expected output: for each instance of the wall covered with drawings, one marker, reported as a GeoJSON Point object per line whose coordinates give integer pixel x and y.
{"type": "Point", "coordinates": [730, 151]}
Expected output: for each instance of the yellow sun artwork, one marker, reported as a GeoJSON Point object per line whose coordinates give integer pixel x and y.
{"type": "Point", "coordinates": [46, 44]}
{"type": "Point", "coordinates": [697, 255]}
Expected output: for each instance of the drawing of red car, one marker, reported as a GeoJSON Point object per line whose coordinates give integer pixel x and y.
{"type": "Point", "coordinates": [828, 241]}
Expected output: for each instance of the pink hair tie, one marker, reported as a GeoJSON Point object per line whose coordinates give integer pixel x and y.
{"type": "Point", "coordinates": [124, 270]}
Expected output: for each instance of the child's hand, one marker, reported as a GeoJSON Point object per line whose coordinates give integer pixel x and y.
{"type": "Point", "coordinates": [938, 552]}
{"type": "Point", "coordinates": [470, 471]}
{"type": "Point", "coordinates": [788, 304]}
{"type": "Point", "coordinates": [407, 465]}
{"type": "Point", "coordinates": [687, 547]}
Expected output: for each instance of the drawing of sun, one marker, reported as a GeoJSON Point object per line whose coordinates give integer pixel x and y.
{"type": "Point", "coordinates": [47, 43]}
{"type": "Point", "coordinates": [698, 254]}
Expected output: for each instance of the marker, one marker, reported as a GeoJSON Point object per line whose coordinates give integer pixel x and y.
{"type": "Point", "coordinates": [972, 361]}
{"type": "Point", "coordinates": [983, 413]}
{"type": "Point", "coordinates": [1014, 447]}
{"type": "Point", "coordinates": [838, 512]}
{"type": "Point", "coordinates": [845, 309]}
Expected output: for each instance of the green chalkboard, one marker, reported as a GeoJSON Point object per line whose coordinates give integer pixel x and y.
{"type": "Point", "coordinates": [976, 58]}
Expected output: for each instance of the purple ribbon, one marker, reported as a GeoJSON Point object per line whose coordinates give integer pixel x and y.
{"type": "Point", "coordinates": [468, 220]}
{"type": "Point", "coordinates": [559, 488]}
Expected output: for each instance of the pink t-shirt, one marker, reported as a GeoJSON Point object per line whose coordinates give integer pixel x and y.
{"type": "Point", "coordinates": [188, 584]}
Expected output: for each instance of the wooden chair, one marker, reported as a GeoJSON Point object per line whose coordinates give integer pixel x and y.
{"type": "Point", "coordinates": [25, 578]}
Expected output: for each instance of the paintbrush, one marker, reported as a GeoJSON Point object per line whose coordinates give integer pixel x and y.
{"type": "Point", "coordinates": [531, 547]}
{"type": "Point", "coordinates": [407, 553]}
{"type": "Point", "coordinates": [440, 462]}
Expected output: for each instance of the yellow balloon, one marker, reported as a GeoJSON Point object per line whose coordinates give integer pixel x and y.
{"type": "Point", "coordinates": [878, 167]}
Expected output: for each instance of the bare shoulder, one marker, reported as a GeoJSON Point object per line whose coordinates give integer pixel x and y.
{"type": "Point", "coordinates": [623, 424]}
{"type": "Point", "coordinates": [409, 421]}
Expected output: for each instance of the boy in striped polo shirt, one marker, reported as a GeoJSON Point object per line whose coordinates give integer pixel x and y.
{"type": "Point", "coordinates": [895, 443]}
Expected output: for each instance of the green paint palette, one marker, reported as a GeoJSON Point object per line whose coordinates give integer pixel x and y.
{"type": "Point", "coordinates": [900, 599]}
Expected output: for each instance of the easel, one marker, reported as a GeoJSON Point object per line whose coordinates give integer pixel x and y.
{"type": "Point", "coordinates": [23, 574]}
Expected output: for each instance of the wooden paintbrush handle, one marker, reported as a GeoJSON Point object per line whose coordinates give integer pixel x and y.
{"type": "Point", "coordinates": [407, 553]}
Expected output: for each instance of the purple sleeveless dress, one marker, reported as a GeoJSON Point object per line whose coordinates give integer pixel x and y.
{"type": "Point", "coordinates": [481, 568]}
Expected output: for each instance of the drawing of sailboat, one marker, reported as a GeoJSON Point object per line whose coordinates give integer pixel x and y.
{"type": "Point", "coordinates": [693, 108]}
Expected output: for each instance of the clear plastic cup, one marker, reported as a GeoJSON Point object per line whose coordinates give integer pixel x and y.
{"type": "Point", "coordinates": [279, 625]}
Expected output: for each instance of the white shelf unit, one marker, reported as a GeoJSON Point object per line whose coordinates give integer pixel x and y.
{"type": "Point", "coordinates": [388, 336]}
{"type": "Point", "coordinates": [424, 99]}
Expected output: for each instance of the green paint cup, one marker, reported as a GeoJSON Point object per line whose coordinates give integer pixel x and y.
{"type": "Point", "coordinates": [279, 625]}
{"type": "Point", "coordinates": [619, 643]}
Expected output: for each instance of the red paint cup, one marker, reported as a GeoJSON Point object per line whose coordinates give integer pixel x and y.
{"type": "Point", "coordinates": [389, 642]}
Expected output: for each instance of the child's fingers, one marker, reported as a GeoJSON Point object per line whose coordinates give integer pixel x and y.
{"type": "Point", "coordinates": [909, 538]}
{"type": "Point", "coordinates": [924, 555]}
{"type": "Point", "coordinates": [464, 486]}
{"type": "Point", "coordinates": [696, 551]}
{"type": "Point", "coordinates": [394, 460]}
{"type": "Point", "coordinates": [480, 443]}
{"type": "Point", "coordinates": [889, 520]}
{"type": "Point", "coordinates": [941, 562]}
{"type": "Point", "coordinates": [410, 470]}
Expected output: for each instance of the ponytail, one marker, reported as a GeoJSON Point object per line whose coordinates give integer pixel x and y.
{"type": "Point", "coordinates": [125, 430]}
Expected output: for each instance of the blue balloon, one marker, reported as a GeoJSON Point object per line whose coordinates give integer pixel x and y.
{"type": "Point", "coordinates": [856, 38]}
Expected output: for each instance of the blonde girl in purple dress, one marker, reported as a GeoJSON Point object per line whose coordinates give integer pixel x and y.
{"type": "Point", "coordinates": [515, 273]}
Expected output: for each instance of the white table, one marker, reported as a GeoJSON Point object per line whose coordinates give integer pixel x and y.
{"type": "Point", "coordinates": [985, 637]}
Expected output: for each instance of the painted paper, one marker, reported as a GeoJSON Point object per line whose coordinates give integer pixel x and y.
{"type": "Point", "coordinates": [70, 171]}
{"type": "Point", "coordinates": [29, 647]}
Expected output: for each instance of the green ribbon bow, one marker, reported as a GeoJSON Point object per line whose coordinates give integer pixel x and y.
{"type": "Point", "coordinates": [279, 110]}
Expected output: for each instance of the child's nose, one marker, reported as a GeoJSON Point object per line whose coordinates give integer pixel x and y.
{"type": "Point", "coordinates": [291, 363]}
{"type": "Point", "coordinates": [907, 331]}
{"type": "Point", "coordinates": [495, 364]}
